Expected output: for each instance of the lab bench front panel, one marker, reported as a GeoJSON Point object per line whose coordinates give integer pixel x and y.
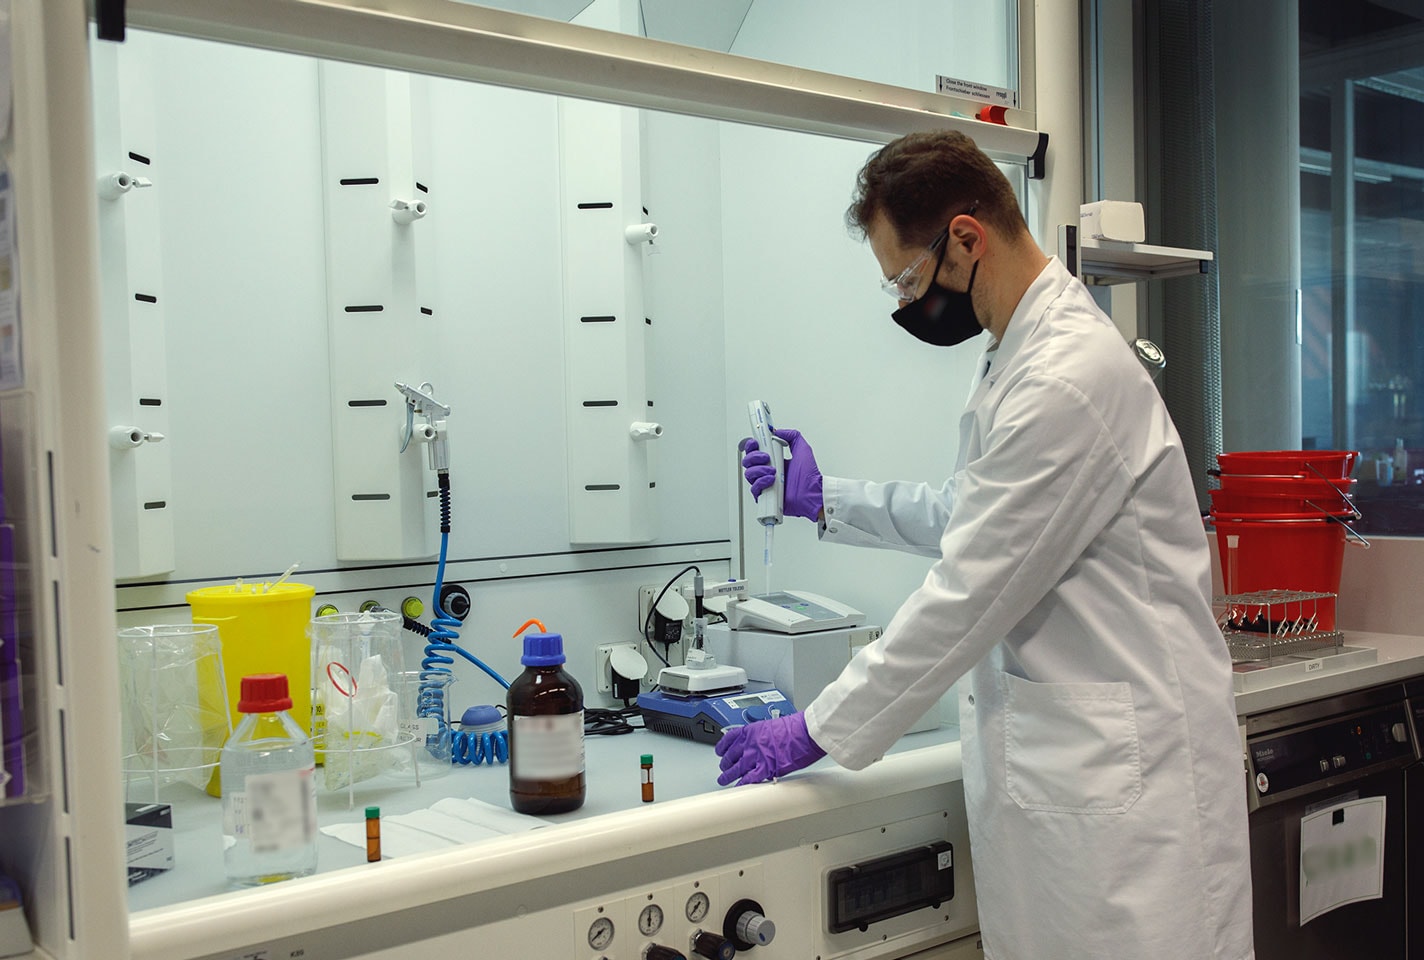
{"type": "Point", "coordinates": [555, 892]}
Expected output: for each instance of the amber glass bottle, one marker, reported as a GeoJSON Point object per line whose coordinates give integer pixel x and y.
{"type": "Point", "coordinates": [546, 773]}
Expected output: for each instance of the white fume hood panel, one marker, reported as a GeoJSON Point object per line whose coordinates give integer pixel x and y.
{"type": "Point", "coordinates": [611, 420]}
{"type": "Point", "coordinates": [134, 303]}
{"type": "Point", "coordinates": [380, 323]}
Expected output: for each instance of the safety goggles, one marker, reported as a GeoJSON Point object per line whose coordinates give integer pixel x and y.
{"type": "Point", "coordinates": [906, 285]}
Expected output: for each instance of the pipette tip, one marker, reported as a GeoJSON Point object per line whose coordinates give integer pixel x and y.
{"type": "Point", "coordinates": [285, 574]}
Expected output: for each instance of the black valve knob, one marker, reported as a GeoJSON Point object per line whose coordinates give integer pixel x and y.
{"type": "Point", "coordinates": [713, 947]}
{"type": "Point", "coordinates": [455, 600]}
{"type": "Point", "coordinates": [655, 951]}
{"type": "Point", "coordinates": [747, 926]}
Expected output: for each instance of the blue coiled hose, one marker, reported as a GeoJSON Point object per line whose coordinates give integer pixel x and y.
{"type": "Point", "coordinates": [481, 738]}
{"type": "Point", "coordinates": [490, 748]}
{"type": "Point", "coordinates": [443, 640]}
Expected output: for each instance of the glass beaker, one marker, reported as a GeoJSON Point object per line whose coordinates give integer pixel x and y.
{"type": "Point", "coordinates": [357, 728]}
{"type": "Point", "coordinates": [425, 705]}
{"type": "Point", "coordinates": [173, 703]}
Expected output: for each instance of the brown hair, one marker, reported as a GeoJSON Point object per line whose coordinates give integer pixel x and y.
{"type": "Point", "coordinates": [922, 180]}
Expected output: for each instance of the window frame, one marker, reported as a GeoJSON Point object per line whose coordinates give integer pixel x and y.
{"type": "Point", "coordinates": [465, 41]}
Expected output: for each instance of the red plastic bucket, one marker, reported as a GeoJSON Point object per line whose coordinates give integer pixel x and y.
{"type": "Point", "coordinates": [1254, 516]}
{"type": "Point", "coordinates": [1313, 487]}
{"type": "Point", "coordinates": [1303, 555]}
{"type": "Point", "coordinates": [1310, 500]}
{"type": "Point", "coordinates": [1334, 464]}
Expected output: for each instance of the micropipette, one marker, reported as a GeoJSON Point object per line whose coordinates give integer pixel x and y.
{"type": "Point", "coordinates": [769, 504]}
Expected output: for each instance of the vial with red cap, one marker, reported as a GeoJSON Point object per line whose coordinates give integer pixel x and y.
{"type": "Point", "coordinates": [268, 773]}
{"type": "Point", "coordinates": [546, 759]}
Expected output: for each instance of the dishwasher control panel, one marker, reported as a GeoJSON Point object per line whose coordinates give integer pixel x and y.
{"type": "Point", "coordinates": [1342, 747]}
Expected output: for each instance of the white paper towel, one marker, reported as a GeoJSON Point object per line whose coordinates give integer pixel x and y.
{"type": "Point", "coordinates": [1341, 856]}
{"type": "Point", "coordinates": [448, 823]}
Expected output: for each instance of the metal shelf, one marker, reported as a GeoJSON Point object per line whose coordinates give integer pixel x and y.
{"type": "Point", "coordinates": [1103, 262]}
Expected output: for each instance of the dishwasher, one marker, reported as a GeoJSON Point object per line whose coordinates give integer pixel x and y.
{"type": "Point", "coordinates": [1414, 823]}
{"type": "Point", "coordinates": [1310, 757]}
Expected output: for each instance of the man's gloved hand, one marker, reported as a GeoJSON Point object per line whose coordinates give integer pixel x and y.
{"type": "Point", "coordinates": [766, 749]}
{"type": "Point", "coordinates": [803, 477]}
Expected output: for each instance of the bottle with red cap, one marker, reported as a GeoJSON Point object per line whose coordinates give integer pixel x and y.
{"type": "Point", "coordinates": [546, 764]}
{"type": "Point", "coordinates": [268, 771]}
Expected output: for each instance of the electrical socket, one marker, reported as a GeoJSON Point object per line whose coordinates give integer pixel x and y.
{"type": "Point", "coordinates": [603, 671]}
{"type": "Point", "coordinates": [646, 594]}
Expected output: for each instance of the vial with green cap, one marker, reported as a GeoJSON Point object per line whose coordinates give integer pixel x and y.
{"type": "Point", "coordinates": [546, 757]}
{"type": "Point", "coordinates": [373, 834]}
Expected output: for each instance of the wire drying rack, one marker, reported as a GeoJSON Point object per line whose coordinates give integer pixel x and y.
{"type": "Point", "coordinates": [1267, 625]}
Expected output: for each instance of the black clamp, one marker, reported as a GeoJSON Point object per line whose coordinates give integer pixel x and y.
{"type": "Point", "coordinates": [110, 17]}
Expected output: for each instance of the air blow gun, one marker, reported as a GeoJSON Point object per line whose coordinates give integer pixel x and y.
{"type": "Point", "coordinates": [769, 504]}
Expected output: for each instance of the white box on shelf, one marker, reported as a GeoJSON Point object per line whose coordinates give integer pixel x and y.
{"type": "Point", "coordinates": [1112, 220]}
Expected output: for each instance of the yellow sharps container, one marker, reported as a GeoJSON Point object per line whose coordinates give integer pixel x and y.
{"type": "Point", "coordinates": [261, 632]}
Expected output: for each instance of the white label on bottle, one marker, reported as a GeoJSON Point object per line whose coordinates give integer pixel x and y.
{"type": "Point", "coordinates": [279, 809]}
{"type": "Point", "coordinates": [547, 747]}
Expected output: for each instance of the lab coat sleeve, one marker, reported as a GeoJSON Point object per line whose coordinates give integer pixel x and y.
{"type": "Point", "coordinates": [899, 514]}
{"type": "Point", "coordinates": [1049, 480]}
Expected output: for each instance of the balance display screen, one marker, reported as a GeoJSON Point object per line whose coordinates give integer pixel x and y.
{"type": "Point", "coordinates": [752, 699]}
{"type": "Point", "coordinates": [807, 609]}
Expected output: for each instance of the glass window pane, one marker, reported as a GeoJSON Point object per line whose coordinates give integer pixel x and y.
{"type": "Point", "coordinates": [1362, 223]}
{"type": "Point", "coordinates": [907, 43]}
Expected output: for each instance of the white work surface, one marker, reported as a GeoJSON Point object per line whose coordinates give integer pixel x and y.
{"type": "Point", "coordinates": [1399, 657]}
{"type": "Point", "coordinates": [681, 768]}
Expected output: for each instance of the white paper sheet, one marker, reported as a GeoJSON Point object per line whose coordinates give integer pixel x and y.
{"type": "Point", "coordinates": [448, 823]}
{"type": "Point", "coordinates": [1341, 856]}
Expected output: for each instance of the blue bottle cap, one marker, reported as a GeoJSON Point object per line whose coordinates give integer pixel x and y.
{"type": "Point", "coordinates": [543, 650]}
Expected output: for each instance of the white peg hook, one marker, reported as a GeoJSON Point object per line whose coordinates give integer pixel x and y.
{"type": "Point", "coordinates": [643, 430]}
{"type": "Point", "coordinates": [115, 185]}
{"type": "Point", "coordinates": [408, 211]}
{"type": "Point", "coordinates": [126, 438]}
{"type": "Point", "coordinates": [640, 233]}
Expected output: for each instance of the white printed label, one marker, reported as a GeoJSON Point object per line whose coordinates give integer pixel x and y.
{"type": "Point", "coordinates": [547, 747]}
{"type": "Point", "coordinates": [970, 90]}
{"type": "Point", "coordinates": [276, 811]}
{"type": "Point", "coordinates": [945, 860]}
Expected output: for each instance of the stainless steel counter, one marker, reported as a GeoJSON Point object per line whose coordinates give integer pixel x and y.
{"type": "Point", "coordinates": [1399, 657]}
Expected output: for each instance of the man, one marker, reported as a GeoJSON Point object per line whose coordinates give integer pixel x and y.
{"type": "Point", "coordinates": [1101, 761]}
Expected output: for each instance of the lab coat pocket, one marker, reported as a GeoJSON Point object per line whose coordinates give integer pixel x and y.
{"type": "Point", "coordinates": [1071, 747]}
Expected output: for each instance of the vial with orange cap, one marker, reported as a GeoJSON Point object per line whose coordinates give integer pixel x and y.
{"type": "Point", "coordinates": [546, 756]}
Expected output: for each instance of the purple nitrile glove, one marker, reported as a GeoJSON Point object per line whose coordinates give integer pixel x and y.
{"type": "Point", "coordinates": [803, 477]}
{"type": "Point", "coordinates": [766, 749]}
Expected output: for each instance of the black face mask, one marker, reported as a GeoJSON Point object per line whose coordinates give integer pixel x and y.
{"type": "Point", "coordinates": [941, 317]}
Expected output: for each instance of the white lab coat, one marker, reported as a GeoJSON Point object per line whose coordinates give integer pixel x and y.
{"type": "Point", "coordinates": [1101, 756]}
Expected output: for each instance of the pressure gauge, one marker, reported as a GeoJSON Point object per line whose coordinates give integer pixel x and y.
{"type": "Point", "coordinates": [600, 933]}
{"type": "Point", "coordinates": [650, 921]}
{"type": "Point", "coordinates": [697, 907]}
